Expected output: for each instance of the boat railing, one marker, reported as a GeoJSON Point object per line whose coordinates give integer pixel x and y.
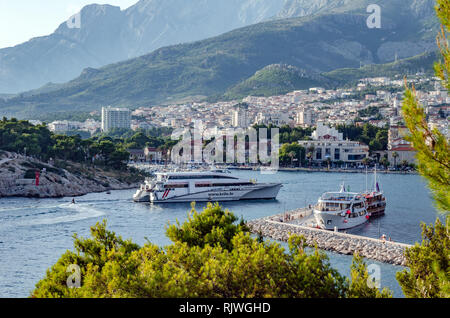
{"type": "Point", "coordinates": [328, 209]}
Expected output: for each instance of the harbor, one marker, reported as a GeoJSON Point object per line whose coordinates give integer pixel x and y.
{"type": "Point", "coordinates": [43, 228]}
{"type": "Point", "coordinates": [152, 167]}
{"type": "Point", "coordinates": [301, 222]}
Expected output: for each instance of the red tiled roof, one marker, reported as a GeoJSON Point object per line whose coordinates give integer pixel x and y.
{"type": "Point", "coordinates": [405, 148]}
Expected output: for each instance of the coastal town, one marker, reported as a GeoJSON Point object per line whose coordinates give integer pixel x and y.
{"type": "Point", "coordinates": [317, 122]}
{"type": "Point", "coordinates": [374, 101]}
{"type": "Point", "coordinates": [246, 152]}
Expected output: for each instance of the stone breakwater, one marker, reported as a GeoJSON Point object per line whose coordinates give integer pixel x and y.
{"type": "Point", "coordinates": [342, 243]}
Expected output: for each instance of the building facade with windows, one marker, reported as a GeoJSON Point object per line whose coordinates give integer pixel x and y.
{"type": "Point", "coordinates": [277, 119]}
{"type": "Point", "coordinates": [115, 118]}
{"type": "Point", "coordinates": [304, 118]}
{"type": "Point", "coordinates": [152, 154]}
{"type": "Point", "coordinates": [240, 118]}
{"type": "Point", "coordinates": [328, 143]}
{"type": "Point", "coordinates": [399, 149]}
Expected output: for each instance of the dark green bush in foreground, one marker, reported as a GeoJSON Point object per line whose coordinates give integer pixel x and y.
{"type": "Point", "coordinates": [210, 256]}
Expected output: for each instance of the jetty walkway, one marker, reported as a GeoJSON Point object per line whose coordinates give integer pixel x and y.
{"type": "Point", "coordinates": [281, 226]}
{"type": "Point", "coordinates": [331, 170]}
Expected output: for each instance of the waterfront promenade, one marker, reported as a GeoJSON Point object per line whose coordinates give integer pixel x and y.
{"type": "Point", "coordinates": [299, 222]}
{"type": "Point", "coordinates": [338, 170]}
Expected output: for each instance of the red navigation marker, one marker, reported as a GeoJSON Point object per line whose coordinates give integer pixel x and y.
{"type": "Point", "coordinates": [37, 177]}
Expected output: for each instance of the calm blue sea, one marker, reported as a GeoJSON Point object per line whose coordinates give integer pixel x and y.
{"type": "Point", "coordinates": [35, 232]}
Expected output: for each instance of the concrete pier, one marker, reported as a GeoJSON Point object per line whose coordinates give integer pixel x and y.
{"type": "Point", "coordinates": [281, 226]}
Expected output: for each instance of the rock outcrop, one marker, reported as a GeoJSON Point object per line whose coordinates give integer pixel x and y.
{"type": "Point", "coordinates": [17, 179]}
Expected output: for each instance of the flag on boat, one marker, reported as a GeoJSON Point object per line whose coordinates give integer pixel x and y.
{"type": "Point", "coordinates": [378, 187]}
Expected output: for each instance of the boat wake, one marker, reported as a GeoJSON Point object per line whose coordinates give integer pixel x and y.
{"type": "Point", "coordinates": [74, 213]}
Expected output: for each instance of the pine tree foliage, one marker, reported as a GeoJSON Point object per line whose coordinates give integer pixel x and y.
{"type": "Point", "coordinates": [428, 275]}
{"type": "Point", "coordinates": [210, 256]}
{"type": "Point", "coordinates": [433, 152]}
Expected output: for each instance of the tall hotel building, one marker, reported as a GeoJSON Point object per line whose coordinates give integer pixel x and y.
{"type": "Point", "coordinates": [304, 118]}
{"type": "Point", "coordinates": [115, 118]}
{"type": "Point", "coordinates": [240, 117]}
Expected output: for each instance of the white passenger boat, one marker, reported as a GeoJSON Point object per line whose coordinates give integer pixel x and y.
{"type": "Point", "coordinates": [376, 201]}
{"type": "Point", "coordinates": [341, 210]}
{"type": "Point", "coordinates": [204, 187]}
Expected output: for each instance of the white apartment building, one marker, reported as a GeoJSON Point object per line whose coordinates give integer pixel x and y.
{"type": "Point", "coordinates": [35, 122]}
{"type": "Point", "coordinates": [115, 118]}
{"type": "Point", "coordinates": [58, 126]}
{"type": "Point", "coordinates": [277, 119]}
{"type": "Point", "coordinates": [304, 118]}
{"type": "Point", "coordinates": [328, 143]}
{"type": "Point", "coordinates": [240, 118]}
{"type": "Point", "coordinates": [61, 126]}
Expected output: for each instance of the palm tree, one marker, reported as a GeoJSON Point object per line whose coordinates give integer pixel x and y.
{"type": "Point", "coordinates": [404, 163]}
{"type": "Point", "coordinates": [384, 162]}
{"type": "Point", "coordinates": [291, 155]}
{"type": "Point", "coordinates": [366, 161]}
{"type": "Point", "coordinates": [310, 154]}
{"type": "Point", "coordinates": [395, 156]}
{"type": "Point", "coordinates": [328, 162]}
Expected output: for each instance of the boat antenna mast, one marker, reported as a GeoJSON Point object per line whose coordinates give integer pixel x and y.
{"type": "Point", "coordinates": [342, 187]}
{"type": "Point", "coordinates": [376, 185]}
{"type": "Point", "coordinates": [366, 180]}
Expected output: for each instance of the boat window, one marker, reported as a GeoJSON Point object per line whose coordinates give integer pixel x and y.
{"type": "Point", "coordinates": [176, 186]}
{"type": "Point", "coordinates": [186, 177]}
{"type": "Point", "coordinates": [358, 205]}
{"type": "Point", "coordinates": [202, 184]}
{"type": "Point", "coordinates": [234, 184]}
{"type": "Point", "coordinates": [231, 184]}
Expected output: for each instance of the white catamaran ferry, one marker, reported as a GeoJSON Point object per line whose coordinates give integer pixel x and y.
{"type": "Point", "coordinates": [173, 187]}
{"type": "Point", "coordinates": [341, 210]}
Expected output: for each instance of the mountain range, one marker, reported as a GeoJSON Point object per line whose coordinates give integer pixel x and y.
{"type": "Point", "coordinates": [108, 34]}
{"type": "Point", "coordinates": [328, 35]}
{"type": "Point", "coordinates": [277, 79]}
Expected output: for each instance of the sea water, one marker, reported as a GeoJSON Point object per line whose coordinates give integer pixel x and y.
{"type": "Point", "coordinates": [34, 233]}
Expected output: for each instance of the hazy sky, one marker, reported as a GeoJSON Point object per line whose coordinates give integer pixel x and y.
{"type": "Point", "coordinates": [21, 20]}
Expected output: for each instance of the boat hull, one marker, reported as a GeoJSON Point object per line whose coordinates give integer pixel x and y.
{"type": "Point", "coordinates": [329, 221]}
{"type": "Point", "coordinates": [141, 196]}
{"type": "Point", "coordinates": [256, 192]}
{"type": "Point", "coordinates": [377, 210]}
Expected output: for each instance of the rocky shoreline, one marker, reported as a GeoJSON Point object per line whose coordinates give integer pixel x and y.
{"type": "Point", "coordinates": [342, 243]}
{"type": "Point", "coordinates": [16, 179]}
